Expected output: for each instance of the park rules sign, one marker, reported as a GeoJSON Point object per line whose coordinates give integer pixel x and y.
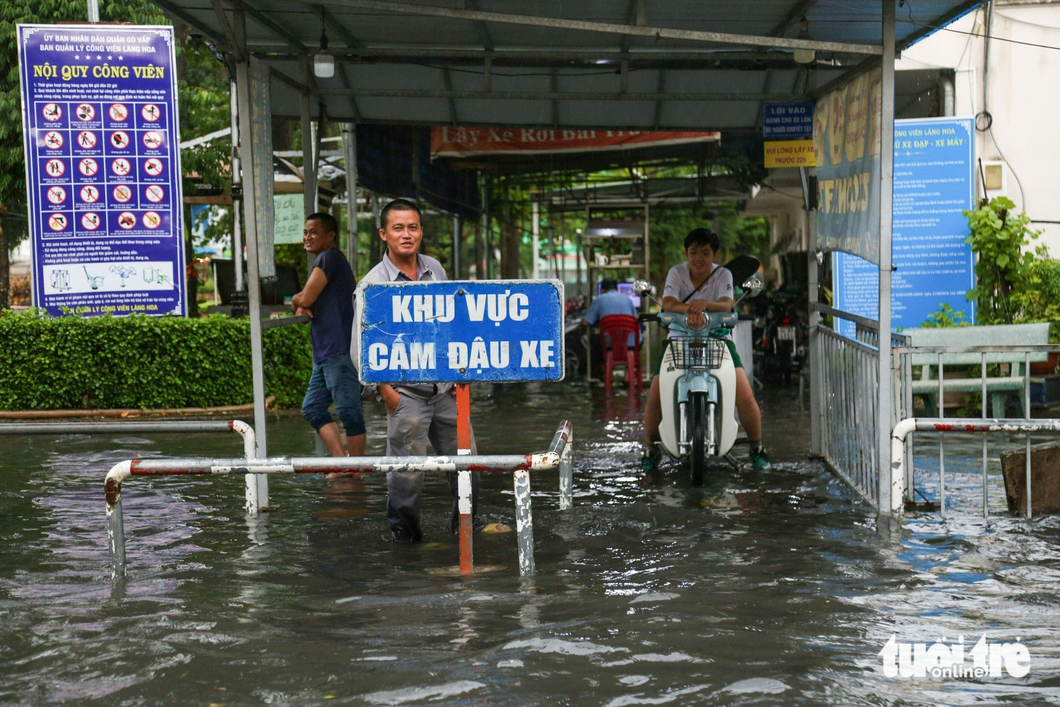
{"type": "Point", "coordinates": [501, 331]}
{"type": "Point", "coordinates": [99, 116]}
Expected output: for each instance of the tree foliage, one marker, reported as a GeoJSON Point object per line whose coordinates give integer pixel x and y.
{"type": "Point", "coordinates": [1001, 239]}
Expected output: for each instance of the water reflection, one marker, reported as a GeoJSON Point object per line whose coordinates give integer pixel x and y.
{"type": "Point", "coordinates": [756, 589]}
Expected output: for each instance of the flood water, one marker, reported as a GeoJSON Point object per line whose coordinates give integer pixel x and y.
{"type": "Point", "coordinates": [775, 588]}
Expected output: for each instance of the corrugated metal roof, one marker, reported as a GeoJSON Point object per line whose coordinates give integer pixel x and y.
{"type": "Point", "coordinates": [397, 65]}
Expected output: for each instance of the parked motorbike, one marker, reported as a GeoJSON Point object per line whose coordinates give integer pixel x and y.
{"type": "Point", "coordinates": [698, 380]}
{"type": "Point", "coordinates": [783, 343]}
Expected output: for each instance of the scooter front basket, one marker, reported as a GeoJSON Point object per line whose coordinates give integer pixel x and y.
{"type": "Point", "coordinates": [697, 353]}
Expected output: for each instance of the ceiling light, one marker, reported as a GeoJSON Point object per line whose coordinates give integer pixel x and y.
{"type": "Point", "coordinates": [804, 56]}
{"type": "Point", "coordinates": [323, 63]}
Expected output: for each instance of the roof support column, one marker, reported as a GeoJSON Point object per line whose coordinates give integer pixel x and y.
{"type": "Point", "coordinates": [458, 232]}
{"type": "Point", "coordinates": [535, 227]}
{"type": "Point", "coordinates": [309, 157]}
{"type": "Point", "coordinates": [349, 160]}
{"type": "Point", "coordinates": [237, 188]}
{"type": "Point", "coordinates": [257, 485]}
{"type": "Point", "coordinates": [884, 422]}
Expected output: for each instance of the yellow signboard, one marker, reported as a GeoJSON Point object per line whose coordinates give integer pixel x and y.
{"type": "Point", "coordinates": [790, 153]}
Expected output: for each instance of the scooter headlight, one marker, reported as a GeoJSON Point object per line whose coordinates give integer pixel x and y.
{"type": "Point", "coordinates": [700, 325]}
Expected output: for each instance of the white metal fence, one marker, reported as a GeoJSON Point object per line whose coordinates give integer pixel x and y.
{"type": "Point", "coordinates": [845, 385]}
{"type": "Point", "coordinates": [846, 411]}
{"type": "Point", "coordinates": [989, 362]}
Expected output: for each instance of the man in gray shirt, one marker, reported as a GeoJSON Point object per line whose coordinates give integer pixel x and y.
{"type": "Point", "coordinates": [416, 412]}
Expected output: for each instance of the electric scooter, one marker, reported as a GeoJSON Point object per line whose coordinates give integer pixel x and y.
{"type": "Point", "coordinates": [697, 379]}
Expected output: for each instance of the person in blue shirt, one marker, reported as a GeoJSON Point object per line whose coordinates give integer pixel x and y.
{"type": "Point", "coordinates": [610, 301]}
{"type": "Point", "coordinates": [328, 299]}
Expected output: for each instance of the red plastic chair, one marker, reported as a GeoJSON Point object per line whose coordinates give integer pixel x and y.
{"type": "Point", "coordinates": [617, 328]}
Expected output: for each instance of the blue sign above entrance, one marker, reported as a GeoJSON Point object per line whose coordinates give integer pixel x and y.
{"type": "Point", "coordinates": [501, 331]}
{"type": "Point", "coordinates": [99, 116]}
{"type": "Point", "coordinates": [787, 121]}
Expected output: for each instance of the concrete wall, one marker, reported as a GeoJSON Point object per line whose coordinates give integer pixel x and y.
{"type": "Point", "coordinates": [1021, 92]}
{"type": "Point", "coordinates": [780, 200]}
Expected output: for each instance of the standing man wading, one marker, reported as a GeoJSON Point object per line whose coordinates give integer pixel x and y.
{"type": "Point", "coordinates": [420, 412]}
{"type": "Point", "coordinates": [700, 285]}
{"type": "Point", "coordinates": [328, 299]}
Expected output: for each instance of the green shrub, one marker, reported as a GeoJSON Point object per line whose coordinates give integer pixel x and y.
{"type": "Point", "coordinates": [1039, 300]}
{"type": "Point", "coordinates": [946, 316]}
{"type": "Point", "coordinates": [144, 362]}
{"type": "Point", "coordinates": [1002, 241]}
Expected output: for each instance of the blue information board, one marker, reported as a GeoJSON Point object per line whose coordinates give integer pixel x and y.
{"type": "Point", "coordinates": [501, 331]}
{"type": "Point", "coordinates": [933, 184]}
{"type": "Point", "coordinates": [99, 116]}
{"type": "Point", "coordinates": [787, 121]}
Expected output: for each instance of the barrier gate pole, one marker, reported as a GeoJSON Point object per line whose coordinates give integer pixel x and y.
{"type": "Point", "coordinates": [463, 446]}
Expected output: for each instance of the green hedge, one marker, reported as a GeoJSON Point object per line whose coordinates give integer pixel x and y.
{"type": "Point", "coordinates": [144, 362]}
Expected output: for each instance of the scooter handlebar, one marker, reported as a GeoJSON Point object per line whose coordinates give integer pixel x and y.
{"type": "Point", "coordinates": [679, 322]}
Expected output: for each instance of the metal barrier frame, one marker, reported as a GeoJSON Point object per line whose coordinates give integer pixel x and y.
{"type": "Point", "coordinates": [256, 485]}
{"type": "Point", "coordinates": [942, 425]}
{"type": "Point", "coordinates": [904, 373]}
{"type": "Point", "coordinates": [557, 456]}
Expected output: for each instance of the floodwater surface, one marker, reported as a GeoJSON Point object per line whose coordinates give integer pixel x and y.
{"type": "Point", "coordinates": [773, 588]}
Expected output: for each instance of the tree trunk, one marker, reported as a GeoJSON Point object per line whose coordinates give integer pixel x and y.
{"type": "Point", "coordinates": [509, 250]}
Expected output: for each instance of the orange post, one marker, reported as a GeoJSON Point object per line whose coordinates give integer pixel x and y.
{"type": "Point", "coordinates": [463, 418]}
{"type": "Point", "coordinates": [463, 446]}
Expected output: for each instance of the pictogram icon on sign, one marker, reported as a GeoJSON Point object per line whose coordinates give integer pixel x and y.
{"type": "Point", "coordinates": [88, 167]}
{"type": "Point", "coordinates": [118, 112]}
{"type": "Point", "coordinates": [57, 222]}
{"type": "Point", "coordinates": [86, 139]}
{"type": "Point", "coordinates": [120, 140]}
{"type": "Point", "coordinates": [152, 220]}
{"type": "Point", "coordinates": [126, 219]}
{"type": "Point", "coordinates": [52, 112]}
{"type": "Point", "coordinates": [152, 140]}
{"type": "Point", "coordinates": [154, 193]}
{"type": "Point", "coordinates": [55, 168]}
{"type": "Point", "coordinates": [89, 194]}
{"type": "Point", "coordinates": [151, 113]}
{"type": "Point", "coordinates": [90, 221]}
{"type": "Point", "coordinates": [85, 112]}
{"type": "Point", "coordinates": [153, 167]}
{"type": "Point", "coordinates": [53, 140]}
{"type": "Point", "coordinates": [56, 195]}
{"type": "Point", "coordinates": [121, 167]}
{"type": "Point", "coordinates": [122, 193]}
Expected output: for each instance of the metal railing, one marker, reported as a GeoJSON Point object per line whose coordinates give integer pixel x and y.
{"type": "Point", "coordinates": [848, 379]}
{"type": "Point", "coordinates": [256, 488]}
{"type": "Point", "coordinates": [901, 466]}
{"type": "Point", "coordinates": [557, 456]}
{"type": "Point", "coordinates": [906, 358]}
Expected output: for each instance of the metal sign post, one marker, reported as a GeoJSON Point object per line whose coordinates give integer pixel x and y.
{"type": "Point", "coordinates": [459, 332]}
{"type": "Point", "coordinates": [463, 448]}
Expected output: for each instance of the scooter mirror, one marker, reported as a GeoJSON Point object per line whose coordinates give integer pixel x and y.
{"type": "Point", "coordinates": [643, 288]}
{"type": "Point", "coordinates": [753, 287]}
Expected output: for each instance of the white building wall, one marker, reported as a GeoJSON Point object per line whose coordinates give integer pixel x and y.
{"type": "Point", "coordinates": [1022, 93]}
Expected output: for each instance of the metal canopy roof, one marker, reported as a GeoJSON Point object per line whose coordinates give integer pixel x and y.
{"type": "Point", "coordinates": [611, 64]}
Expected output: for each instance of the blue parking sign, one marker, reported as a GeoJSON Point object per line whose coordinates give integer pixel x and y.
{"type": "Point", "coordinates": [500, 331]}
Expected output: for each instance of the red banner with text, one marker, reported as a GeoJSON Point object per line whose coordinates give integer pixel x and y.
{"type": "Point", "coordinates": [464, 142]}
